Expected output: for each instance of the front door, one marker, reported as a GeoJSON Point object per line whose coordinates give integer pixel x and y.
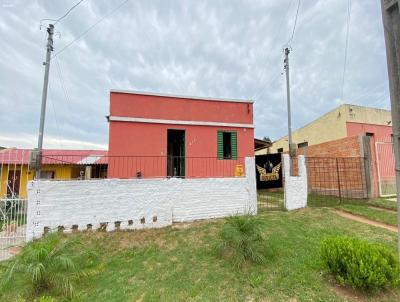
{"type": "Point", "coordinates": [13, 183]}
{"type": "Point", "coordinates": [175, 153]}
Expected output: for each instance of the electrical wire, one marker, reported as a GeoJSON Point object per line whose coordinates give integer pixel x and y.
{"type": "Point", "coordinates": [63, 16]}
{"type": "Point", "coordinates": [62, 84]}
{"type": "Point", "coordinates": [55, 116]}
{"type": "Point", "coordinates": [90, 28]}
{"type": "Point", "coordinates": [346, 47]}
{"type": "Point", "coordinates": [66, 14]}
{"type": "Point", "coordinates": [272, 78]}
{"type": "Point", "coordinates": [289, 42]}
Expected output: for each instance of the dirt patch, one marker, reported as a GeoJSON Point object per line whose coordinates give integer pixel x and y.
{"type": "Point", "coordinates": [365, 220]}
{"type": "Point", "coordinates": [382, 209]}
{"type": "Point", "coordinates": [348, 293]}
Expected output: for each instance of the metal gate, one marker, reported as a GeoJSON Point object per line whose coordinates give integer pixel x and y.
{"type": "Point", "coordinates": [385, 168]}
{"type": "Point", "coordinates": [14, 174]}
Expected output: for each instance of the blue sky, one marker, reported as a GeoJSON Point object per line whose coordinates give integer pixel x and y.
{"type": "Point", "coordinates": [227, 48]}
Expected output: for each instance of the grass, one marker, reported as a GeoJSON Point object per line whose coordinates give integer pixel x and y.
{"type": "Point", "coordinates": [384, 203]}
{"type": "Point", "coordinates": [373, 214]}
{"type": "Point", "coordinates": [180, 263]}
{"type": "Point", "coordinates": [358, 207]}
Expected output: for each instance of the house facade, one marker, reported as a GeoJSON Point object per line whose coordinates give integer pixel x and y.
{"type": "Point", "coordinates": [344, 121]}
{"type": "Point", "coordinates": [15, 171]}
{"type": "Point", "coordinates": [158, 135]}
{"type": "Point", "coordinates": [340, 132]}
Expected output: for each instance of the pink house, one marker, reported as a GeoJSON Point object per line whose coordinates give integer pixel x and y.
{"type": "Point", "coordinates": [158, 135]}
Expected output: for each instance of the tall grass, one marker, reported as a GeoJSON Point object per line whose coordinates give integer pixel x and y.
{"type": "Point", "coordinates": [49, 264]}
{"type": "Point", "coordinates": [241, 240]}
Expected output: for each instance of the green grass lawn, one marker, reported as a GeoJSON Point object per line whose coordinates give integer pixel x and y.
{"type": "Point", "coordinates": [384, 203]}
{"type": "Point", "coordinates": [180, 264]}
{"type": "Point", "coordinates": [370, 213]}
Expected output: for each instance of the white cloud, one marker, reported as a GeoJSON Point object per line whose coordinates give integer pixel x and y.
{"type": "Point", "coordinates": [208, 48]}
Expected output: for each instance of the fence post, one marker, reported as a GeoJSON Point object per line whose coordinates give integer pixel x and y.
{"type": "Point", "coordinates": [368, 165]}
{"type": "Point", "coordinates": [338, 180]}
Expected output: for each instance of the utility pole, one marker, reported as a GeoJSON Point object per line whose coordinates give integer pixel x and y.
{"type": "Point", "coordinates": [291, 146]}
{"type": "Point", "coordinates": [50, 32]}
{"type": "Point", "coordinates": [391, 25]}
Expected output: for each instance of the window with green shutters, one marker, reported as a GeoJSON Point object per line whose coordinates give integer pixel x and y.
{"type": "Point", "coordinates": [227, 145]}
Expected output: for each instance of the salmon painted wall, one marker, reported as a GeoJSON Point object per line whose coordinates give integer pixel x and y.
{"type": "Point", "coordinates": [381, 133]}
{"type": "Point", "coordinates": [142, 147]}
{"type": "Point", "coordinates": [185, 109]}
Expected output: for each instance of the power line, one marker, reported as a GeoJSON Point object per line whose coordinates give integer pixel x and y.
{"type": "Point", "coordinates": [55, 116]}
{"type": "Point", "coordinates": [271, 79]}
{"type": "Point", "coordinates": [289, 42]}
{"type": "Point", "coordinates": [63, 16]}
{"type": "Point", "coordinates": [346, 47]}
{"type": "Point", "coordinates": [62, 84]}
{"type": "Point", "coordinates": [90, 28]}
{"type": "Point", "coordinates": [66, 14]}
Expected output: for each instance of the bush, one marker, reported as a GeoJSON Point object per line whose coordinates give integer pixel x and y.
{"type": "Point", "coordinates": [360, 264]}
{"type": "Point", "coordinates": [240, 238]}
{"type": "Point", "coordinates": [48, 264]}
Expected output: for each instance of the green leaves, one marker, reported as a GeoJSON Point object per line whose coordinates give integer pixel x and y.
{"type": "Point", "coordinates": [49, 264]}
{"type": "Point", "coordinates": [240, 239]}
{"type": "Point", "coordinates": [360, 264]}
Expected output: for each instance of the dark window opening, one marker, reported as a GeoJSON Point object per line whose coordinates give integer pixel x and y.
{"type": "Point", "coordinates": [280, 150]}
{"type": "Point", "coordinates": [369, 134]}
{"type": "Point", "coordinates": [47, 174]}
{"type": "Point", "coordinates": [302, 145]}
{"type": "Point", "coordinates": [227, 145]}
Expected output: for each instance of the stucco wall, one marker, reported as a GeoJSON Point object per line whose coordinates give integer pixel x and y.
{"type": "Point", "coordinates": [334, 125]}
{"type": "Point", "coordinates": [295, 187]}
{"type": "Point", "coordinates": [144, 146]}
{"type": "Point", "coordinates": [180, 108]}
{"type": "Point", "coordinates": [330, 126]}
{"type": "Point", "coordinates": [68, 203]}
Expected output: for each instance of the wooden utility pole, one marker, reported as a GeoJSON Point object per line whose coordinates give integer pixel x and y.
{"type": "Point", "coordinates": [391, 25]}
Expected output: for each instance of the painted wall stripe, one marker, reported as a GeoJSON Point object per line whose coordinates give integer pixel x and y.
{"type": "Point", "coordinates": [176, 122]}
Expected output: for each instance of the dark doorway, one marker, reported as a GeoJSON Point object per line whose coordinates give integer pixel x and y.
{"type": "Point", "coordinates": [176, 153]}
{"type": "Point", "coordinates": [13, 183]}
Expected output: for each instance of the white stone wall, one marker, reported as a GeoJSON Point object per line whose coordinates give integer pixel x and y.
{"type": "Point", "coordinates": [78, 203]}
{"type": "Point", "coordinates": [295, 187]}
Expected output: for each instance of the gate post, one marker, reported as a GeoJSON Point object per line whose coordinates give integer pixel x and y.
{"type": "Point", "coordinates": [369, 175]}
{"type": "Point", "coordinates": [338, 180]}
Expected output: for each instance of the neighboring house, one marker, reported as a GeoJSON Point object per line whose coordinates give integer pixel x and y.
{"type": "Point", "coordinates": [344, 121]}
{"type": "Point", "coordinates": [56, 164]}
{"type": "Point", "coordinates": [159, 135]}
{"type": "Point", "coordinates": [262, 146]}
{"type": "Point", "coordinates": [340, 132]}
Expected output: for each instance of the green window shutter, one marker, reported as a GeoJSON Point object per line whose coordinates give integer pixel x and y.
{"type": "Point", "coordinates": [220, 145]}
{"type": "Point", "coordinates": [234, 144]}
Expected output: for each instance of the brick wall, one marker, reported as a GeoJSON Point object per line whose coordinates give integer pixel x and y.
{"type": "Point", "coordinates": [336, 168]}
{"type": "Point", "coordinates": [344, 147]}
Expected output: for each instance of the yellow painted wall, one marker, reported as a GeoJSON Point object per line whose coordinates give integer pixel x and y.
{"type": "Point", "coordinates": [332, 125]}
{"type": "Point", "coordinates": [61, 172]}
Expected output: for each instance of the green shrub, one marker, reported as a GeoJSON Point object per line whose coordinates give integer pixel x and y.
{"type": "Point", "coordinates": [360, 264]}
{"type": "Point", "coordinates": [48, 264]}
{"type": "Point", "coordinates": [240, 239]}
